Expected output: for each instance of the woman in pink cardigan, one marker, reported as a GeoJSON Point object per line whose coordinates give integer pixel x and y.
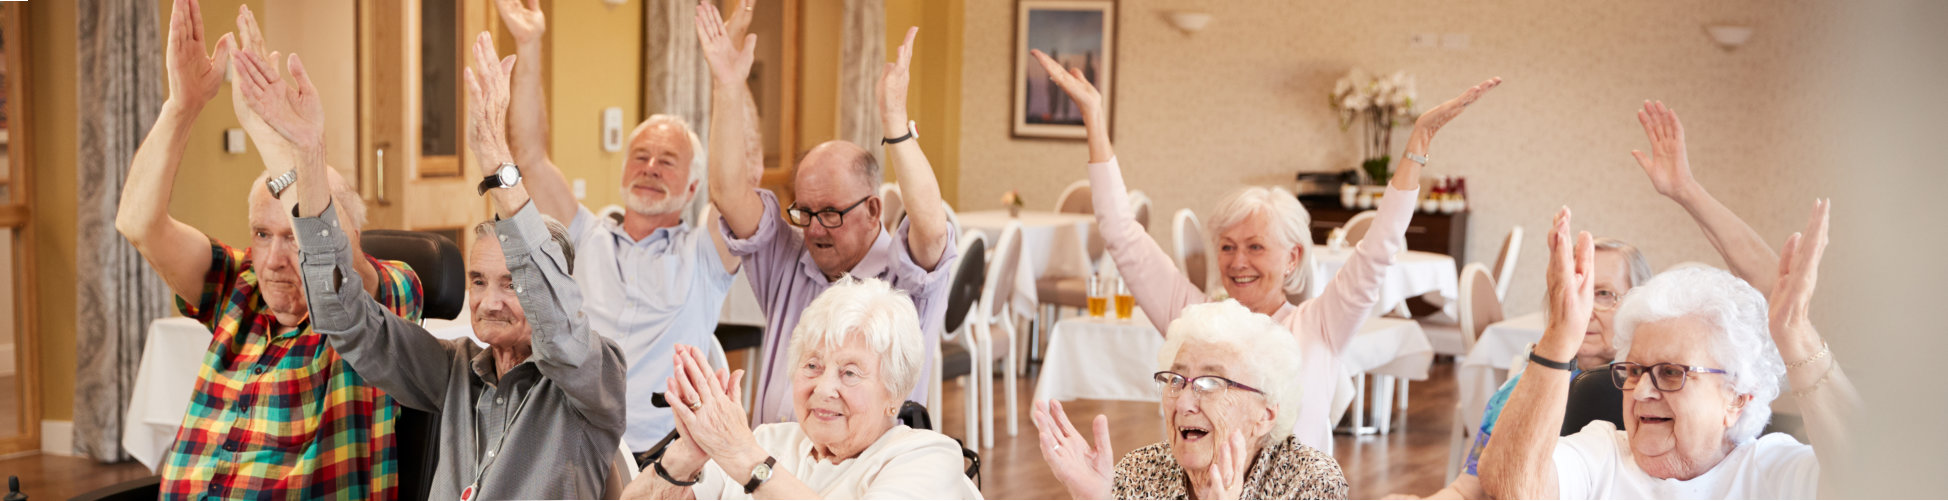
{"type": "Point", "coordinates": [1261, 239]}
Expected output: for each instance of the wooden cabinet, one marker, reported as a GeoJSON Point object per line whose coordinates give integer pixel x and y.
{"type": "Point", "coordinates": [1436, 233]}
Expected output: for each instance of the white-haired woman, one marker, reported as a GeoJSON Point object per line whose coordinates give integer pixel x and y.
{"type": "Point", "coordinates": [1261, 241]}
{"type": "Point", "coordinates": [1699, 362]}
{"type": "Point", "coordinates": [1230, 396]}
{"type": "Point", "coordinates": [856, 352]}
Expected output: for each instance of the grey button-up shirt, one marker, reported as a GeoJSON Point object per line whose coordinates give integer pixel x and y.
{"type": "Point", "coordinates": [548, 429]}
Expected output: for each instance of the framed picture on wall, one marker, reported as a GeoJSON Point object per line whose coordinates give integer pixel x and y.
{"type": "Point", "coordinates": [1079, 34]}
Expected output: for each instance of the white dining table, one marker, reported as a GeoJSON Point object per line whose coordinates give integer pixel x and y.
{"type": "Point", "coordinates": [1413, 273]}
{"type": "Point", "coordinates": [166, 378]}
{"type": "Point", "coordinates": [1053, 244]}
{"type": "Point", "coordinates": [1486, 366]}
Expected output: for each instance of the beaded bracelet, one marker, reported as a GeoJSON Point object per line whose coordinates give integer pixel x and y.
{"type": "Point", "coordinates": [1801, 393]}
{"type": "Point", "coordinates": [1824, 350]}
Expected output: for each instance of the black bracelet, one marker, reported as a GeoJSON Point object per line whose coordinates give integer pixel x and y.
{"type": "Point", "coordinates": [898, 140]}
{"type": "Point", "coordinates": [1563, 366]}
{"type": "Point", "coordinates": [658, 466]}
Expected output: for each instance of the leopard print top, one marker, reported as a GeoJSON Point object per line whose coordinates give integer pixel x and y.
{"type": "Point", "coordinates": [1289, 470]}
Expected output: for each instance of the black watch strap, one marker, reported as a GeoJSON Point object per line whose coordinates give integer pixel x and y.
{"type": "Point", "coordinates": [490, 182]}
{"type": "Point", "coordinates": [1564, 366]}
{"type": "Point", "coordinates": [898, 140]}
{"type": "Point", "coordinates": [660, 472]}
{"type": "Point", "coordinates": [752, 486]}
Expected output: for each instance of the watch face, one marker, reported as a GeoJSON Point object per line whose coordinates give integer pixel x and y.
{"type": "Point", "coordinates": [762, 472]}
{"type": "Point", "coordinates": [509, 174]}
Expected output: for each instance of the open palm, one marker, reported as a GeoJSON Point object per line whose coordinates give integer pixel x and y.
{"type": "Point", "coordinates": [193, 76]}
{"type": "Point", "coordinates": [289, 105]}
{"type": "Point", "coordinates": [1666, 164]}
{"type": "Point", "coordinates": [1085, 470]}
{"type": "Point", "coordinates": [728, 65]}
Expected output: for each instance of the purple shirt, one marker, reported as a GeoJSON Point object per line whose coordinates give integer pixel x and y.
{"type": "Point", "coordinates": [785, 279]}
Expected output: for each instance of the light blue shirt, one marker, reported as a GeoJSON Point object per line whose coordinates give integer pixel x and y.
{"type": "Point", "coordinates": [648, 295]}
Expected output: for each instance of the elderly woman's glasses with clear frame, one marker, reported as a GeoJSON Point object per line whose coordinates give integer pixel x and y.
{"type": "Point", "coordinates": [1607, 300]}
{"type": "Point", "coordinates": [1171, 383]}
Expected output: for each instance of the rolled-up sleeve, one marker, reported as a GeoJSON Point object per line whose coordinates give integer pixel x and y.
{"type": "Point", "coordinates": [392, 354]}
{"type": "Point", "coordinates": [587, 366]}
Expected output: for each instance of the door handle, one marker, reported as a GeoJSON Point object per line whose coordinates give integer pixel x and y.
{"type": "Point", "coordinates": [379, 171]}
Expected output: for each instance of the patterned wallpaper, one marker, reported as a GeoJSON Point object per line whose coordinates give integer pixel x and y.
{"type": "Point", "coordinates": [1243, 102]}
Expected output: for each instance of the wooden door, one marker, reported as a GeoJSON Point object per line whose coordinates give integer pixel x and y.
{"type": "Point", "coordinates": [413, 165]}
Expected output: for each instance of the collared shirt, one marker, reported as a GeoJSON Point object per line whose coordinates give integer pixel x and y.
{"type": "Point", "coordinates": [786, 280]}
{"type": "Point", "coordinates": [1288, 470]}
{"type": "Point", "coordinates": [648, 295]}
{"type": "Point", "coordinates": [903, 463]}
{"type": "Point", "coordinates": [281, 415]}
{"type": "Point", "coordinates": [547, 429]}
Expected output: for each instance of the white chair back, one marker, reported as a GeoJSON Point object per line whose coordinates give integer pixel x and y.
{"type": "Point", "coordinates": [611, 211]}
{"type": "Point", "coordinates": [1505, 262]}
{"type": "Point", "coordinates": [1480, 306]}
{"type": "Point", "coordinates": [892, 206]}
{"type": "Point", "coordinates": [1001, 271]}
{"type": "Point", "coordinates": [1140, 207]}
{"type": "Point", "coordinates": [1355, 228]}
{"type": "Point", "coordinates": [1075, 199]}
{"type": "Point", "coordinates": [1190, 254]}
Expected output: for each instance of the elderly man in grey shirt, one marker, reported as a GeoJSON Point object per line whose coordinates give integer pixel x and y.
{"type": "Point", "coordinates": [538, 414]}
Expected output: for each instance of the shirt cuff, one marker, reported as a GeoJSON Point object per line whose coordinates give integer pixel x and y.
{"type": "Point", "coordinates": [767, 228]}
{"type": "Point", "coordinates": [321, 233]}
{"type": "Point", "coordinates": [522, 234]}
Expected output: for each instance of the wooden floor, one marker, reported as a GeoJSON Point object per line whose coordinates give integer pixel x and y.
{"type": "Point", "coordinates": [1412, 459]}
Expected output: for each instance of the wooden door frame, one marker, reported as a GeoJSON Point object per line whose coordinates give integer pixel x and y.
{"type": "Point", "coordinates": [20, 215]}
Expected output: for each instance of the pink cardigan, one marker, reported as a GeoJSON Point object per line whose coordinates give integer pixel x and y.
{"type": "Point", "coordinates": [1324, 326]}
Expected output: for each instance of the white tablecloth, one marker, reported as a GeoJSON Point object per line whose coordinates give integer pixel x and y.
{"type": "Point", "coordinates": [1413, 273]}
{"type": "Point", "coordinates": [1110, 359]}
{"type": "Point", "coordinates": [1053, 244]}
{"type": "Point", "coordinates": [167, 378]}
{"type": "Point", "coordinates": [1486, 366]}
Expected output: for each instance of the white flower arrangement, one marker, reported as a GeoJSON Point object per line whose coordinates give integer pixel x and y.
{"type": "Point", "coordinates": [1378, 104]}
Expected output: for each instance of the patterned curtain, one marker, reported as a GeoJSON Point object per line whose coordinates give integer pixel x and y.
{"type": "Point", "coordinates": [676, 80]}
{"type": "Point", "coordinates": [120, 93]}
{"type": "Point", "coordinates": [861, 59]}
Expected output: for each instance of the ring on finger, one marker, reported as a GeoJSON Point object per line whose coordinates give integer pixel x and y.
{"type": "Point", "coordinates": [694, 406]}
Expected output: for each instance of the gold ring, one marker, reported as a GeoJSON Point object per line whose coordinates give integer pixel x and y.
{"type": "Point", "coordinates": [695, 405]}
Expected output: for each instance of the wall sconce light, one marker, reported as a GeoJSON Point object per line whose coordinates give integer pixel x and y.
{"type": "Point", "coordinates": [1729, 36]}
{"type": "Point", "coordinates": [1187, 21]}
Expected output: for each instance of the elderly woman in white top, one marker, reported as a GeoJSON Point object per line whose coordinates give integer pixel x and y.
{"type": "Point", "coordinates": [1261, 245]}
{"type": "Point", "coordinates": [856, 351]}
{"type": "Point", "coordinates": [1699, 373]}
{"type": "Point", "coordinates": [1230, 394]}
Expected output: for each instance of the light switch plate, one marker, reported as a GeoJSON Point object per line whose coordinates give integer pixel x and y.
{"type": "Point", "coordinates": [581, 188]}
{"type": "Point", "coordinates": [233, 140]}
{"type": "Point", "coordinates": [612, 129]}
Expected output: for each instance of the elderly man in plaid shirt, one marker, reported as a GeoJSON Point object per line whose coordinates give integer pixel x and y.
{"type": "Point", "coordinates": [276, 412]}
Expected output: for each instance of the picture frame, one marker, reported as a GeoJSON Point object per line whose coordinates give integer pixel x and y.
{"type": "Point", "coordinates": [1078, 34]}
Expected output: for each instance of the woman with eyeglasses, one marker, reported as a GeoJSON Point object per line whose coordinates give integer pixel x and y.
{"type": "Point", "coordinates": [1230, 394]}
{"type": "Point", "coordinates": [1700, 359]}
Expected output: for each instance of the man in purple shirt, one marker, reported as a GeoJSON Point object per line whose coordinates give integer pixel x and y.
{"type": "Point", "coordinates": [833, 228]}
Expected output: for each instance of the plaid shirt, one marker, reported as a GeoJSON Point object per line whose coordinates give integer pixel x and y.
{"type": "Point", "coordinates": [281, 416]}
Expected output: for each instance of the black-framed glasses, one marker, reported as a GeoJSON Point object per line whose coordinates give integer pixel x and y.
{"type": "Point", "coordinates": [1171, 383]}
{"type": "Point", "coordinates": [1664, 376]}
{"type": "Point", "coordinates": [1607, 300]}
{"type": "Point", "coordinates": [829, 218]}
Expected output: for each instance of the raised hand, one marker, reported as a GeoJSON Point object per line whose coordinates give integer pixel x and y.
{"type": "Point", "coordinates": [289, 106]}
{"type": "Point", "coordinates": [525, 22]}
{"type": "Point", "coordinates": [270, 146]}
{"type": "Point", "coordinates": [1226, 478]}
{"type": "Point", "coordinates": [1086, 97]}
{"type": "Point", "coordinates": [1792, 296]}
{"type": "Point", "coordinates": [1431, 121]}
{"type": "Point", "coordinates": [1669, 170]}
{"type": "Point", "coordinates": [684, 452]}
{"type": "Point", "coordinates": [739, 23]}
{"type": "Point", "coordinates": [1572, 290]}
{"type": "Point", "coordinates": [709, 414]}
{"type": "Point", "coordinates": [1086, 471]}
{"type": "Point", "coordinates": [193, 77]}
{"type": "Point", "coordinates": [892, 88]}
{"type": "Point", "coordinates": [487, 97]}
{"type": "Point", "coordinates": [728, 65]}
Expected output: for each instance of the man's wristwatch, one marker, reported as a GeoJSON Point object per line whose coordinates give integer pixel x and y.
{"type": "Point", "coordinates": [760, 474]}
{"type": "Point", "coordinates": [283, 181]}
{"type": "Point", "coordinates": [507, 176]}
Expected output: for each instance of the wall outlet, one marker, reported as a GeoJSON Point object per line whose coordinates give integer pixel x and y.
{"type": "Point", "coordinates": [580, 186]}
{"type": "Point", "coordinates": [233, 140]}
{"type": "Point", "coordinates": [612, 129]}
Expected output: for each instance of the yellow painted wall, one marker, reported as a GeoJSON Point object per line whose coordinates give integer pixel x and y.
{"type": "Point", "coordinates": [211, 184]}
{"type": "Point", "coordinates": [52, 60]}
{"type": "Point", "coordinates": [595, 52]}
{"type": "Point", "coordinates": [821, 25]}
{"type": "Point", "coordinates": [933, 90]}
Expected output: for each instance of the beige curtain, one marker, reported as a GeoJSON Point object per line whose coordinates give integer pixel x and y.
{"type": "Point", "coordinates": [861, 59]}
{"type": "Point", "coordinates": [120, 93]}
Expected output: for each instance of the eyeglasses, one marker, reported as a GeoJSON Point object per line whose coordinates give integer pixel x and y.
{"type": "Point", "coordinates": [1171, 383]}
{"type": "Point", "coordinates": [1607, 300]}
{"type": "Point", "coordinates": [1665, 376]}
{"type": "Point", "coordinates": [829, 218]}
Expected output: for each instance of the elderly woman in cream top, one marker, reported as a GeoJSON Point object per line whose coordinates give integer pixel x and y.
{"type": "Point", "coordinates": [1261, 243]}
{"type": "Point", "coordinates": [856, 351]}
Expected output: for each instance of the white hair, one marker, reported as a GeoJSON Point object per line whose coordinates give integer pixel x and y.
{"type": "Point", "coordinates": [699, 165]}
{"type": "Point", "coordinates": [344, 196]}
{"type": "Point", "coordinates": [1742, 341]}
{"type": "Point", "coordinates": [1271, 354]}
{"type": "Point", "coordinates": [1289, 223]}
{"type": "Point", "coordinates": [872, 308]}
